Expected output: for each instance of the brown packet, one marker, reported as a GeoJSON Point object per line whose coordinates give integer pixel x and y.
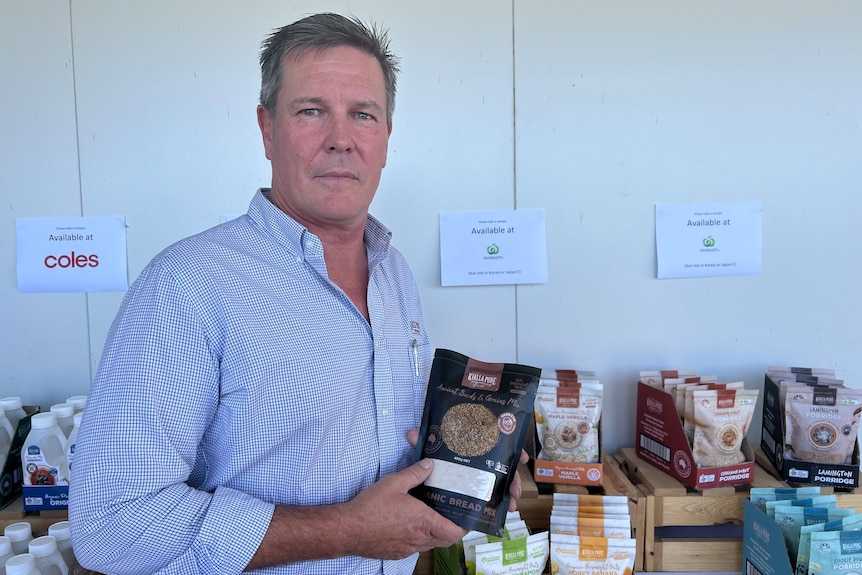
{"type": "Point", "coordinates": [567, 422]}
{"type": "Point", "coordinates": [688, 402]}
{"type": "Point", "coordinates": [721, 417]}
{"type": "Point", "coordinates": [474, 425]}
{"type": "Point", "coordinates": [821, 423]}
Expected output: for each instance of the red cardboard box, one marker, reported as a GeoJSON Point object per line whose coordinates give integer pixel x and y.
{"type": "Point", "coordinates": [661, 441]}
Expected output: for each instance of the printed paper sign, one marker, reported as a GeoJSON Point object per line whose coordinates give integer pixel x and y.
{"type": "Point", "coordinates": [709, 239]}
{"type": "Point", "coordinates": [72, 254]}
{"type": "Point", "coordinates": [493, 247]}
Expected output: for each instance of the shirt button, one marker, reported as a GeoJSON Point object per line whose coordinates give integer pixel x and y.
{"type": "Point", "coordinates": [385, 412]}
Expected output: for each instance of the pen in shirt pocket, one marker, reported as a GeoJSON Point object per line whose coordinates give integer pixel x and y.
{"type": "Point", "coordinates": [415, 346]}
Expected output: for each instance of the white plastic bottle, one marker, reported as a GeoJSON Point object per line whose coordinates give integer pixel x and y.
{"type": "Point", "coordinates": [77, 401]}
{"type": "Point", "coordinates": [61, 533]}
{"type": "Point", "coordinates": [48, 558]}
{"type": "Point", "coordinates": [5, 552]}
{"type": "Point", "coordinates": [65, 412]}
{"type": "Point", "coordinates": [7, 433]}
{"type": "Point", "coordinates": [23, 564]}
{"type": "Point", "coordinates": [20, 534]}
{"type": "Point", "coordinates": [73, 438]}
{"type": "Point", "coordinates": [43, 456]}
{"type": "Point", "coordinates": [14, 410]}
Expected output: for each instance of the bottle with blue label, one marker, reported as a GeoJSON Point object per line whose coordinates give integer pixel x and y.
{"type": "Point", "coordinates": [43, 456]}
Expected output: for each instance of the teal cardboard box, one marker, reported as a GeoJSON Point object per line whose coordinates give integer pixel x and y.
{"type": "Point", "coordinates": [763, 548]}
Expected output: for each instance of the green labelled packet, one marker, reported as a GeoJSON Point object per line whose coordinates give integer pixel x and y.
{"type": "Point", "coordinates": [527, 555]}
{"type": "Point", "coordinates": [851, 523]}
{"type": "Point", "coordinates": [449, 560]}
{"type": "Point", "coordinates": [513, 529]}
{"type": "Point", "coordinates": [834, 552]}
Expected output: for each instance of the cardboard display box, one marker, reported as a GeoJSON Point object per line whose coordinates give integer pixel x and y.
{"type": "Point", "coordinates": [661, 441]}
{"type": "Point", "coordinates": [13, 476]}
{"type": "Point", "coordinates": [792, 470]}
{"type": "Point", "coordinates": [763, 548]}
{"type": "Point", "coordinates": [46, 497]}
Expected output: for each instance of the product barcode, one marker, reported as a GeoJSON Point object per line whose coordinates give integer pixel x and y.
{"type": "Point", "coordinates": [751, 569]}
{"type": "Point", "coordinates": [656, 448]}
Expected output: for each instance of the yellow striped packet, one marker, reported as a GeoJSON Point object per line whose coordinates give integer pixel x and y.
{"type": "Point", "coordinates": [592, 527]}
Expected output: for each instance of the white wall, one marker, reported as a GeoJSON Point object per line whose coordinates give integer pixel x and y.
{"type": "Point", "coordinates": [594, 111]}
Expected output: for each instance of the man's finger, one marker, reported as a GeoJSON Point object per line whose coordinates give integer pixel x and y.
{"type": "Point", "coordinates": [414, 475]}
{"type": "Point", "coordinates": [413, 437]}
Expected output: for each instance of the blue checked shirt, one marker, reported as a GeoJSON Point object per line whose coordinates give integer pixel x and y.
{"type": "Point", "coordinates": [236, 377]}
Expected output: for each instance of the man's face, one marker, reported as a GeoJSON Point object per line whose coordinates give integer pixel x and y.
{"type": "Point", "coordinates": [328, 137]}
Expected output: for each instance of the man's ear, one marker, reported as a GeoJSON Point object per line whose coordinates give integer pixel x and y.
{"type": "Point", "coordinates": [264, 121]}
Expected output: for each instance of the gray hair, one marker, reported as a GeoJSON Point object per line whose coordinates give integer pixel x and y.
{"type": "Point", "coordinates": [318, 32]}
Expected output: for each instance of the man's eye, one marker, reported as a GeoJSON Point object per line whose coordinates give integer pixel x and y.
{"type": "Point", "coordinates": [309, 112]}
{"type": "Point", "coordinates": [364, 116]}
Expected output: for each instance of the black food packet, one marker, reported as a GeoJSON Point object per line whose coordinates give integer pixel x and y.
{"type": "Point", "coordinates": [475, 421]}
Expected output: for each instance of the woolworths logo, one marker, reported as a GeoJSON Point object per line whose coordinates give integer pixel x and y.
{"type": "Point", "coordinates": [493, 250]}
{"type": "Point", "coordinates": [708, 242]}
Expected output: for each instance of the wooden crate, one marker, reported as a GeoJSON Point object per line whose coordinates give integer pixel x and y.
{"type": "Point", "coordinates": [536, 502]}
{"type": "Point", "coordinates": [687, 530]}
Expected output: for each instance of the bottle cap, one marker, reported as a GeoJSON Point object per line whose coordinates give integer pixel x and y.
{"type": "Point", "coordinates": [5, 545]}
{"type": "Point", "coordinates": [79, 401]}
{"type": "Point", "coordinates": [60, 530]}
{"type": "Point", "coordinates": [43, 420]}
{"type": "Point", "coordinates": [8, 403]}
{"type": "Point", "coordinates": [43, 546]}
{"type": "Point", "coordinates": [18, 531]}
{"type": "Point", "coordinates": [63, 409]}
{"type": "Point", "coordinates": [23, 564]}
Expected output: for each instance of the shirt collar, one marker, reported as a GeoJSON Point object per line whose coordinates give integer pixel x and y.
{"type": "Point", "coordinates": [302, 242]}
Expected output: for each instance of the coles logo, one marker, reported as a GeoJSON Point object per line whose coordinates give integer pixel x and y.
{"type": "Point", "coordinates": [72, 260]}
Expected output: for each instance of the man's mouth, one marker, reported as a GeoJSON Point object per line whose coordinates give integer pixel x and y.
{"type": "Point", "coordinates": [342, 174]}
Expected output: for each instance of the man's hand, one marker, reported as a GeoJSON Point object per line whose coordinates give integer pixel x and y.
{"type": "Point", "coordinates": [389, 523]}
{"type": "Point", "coordinates": [514, 490]}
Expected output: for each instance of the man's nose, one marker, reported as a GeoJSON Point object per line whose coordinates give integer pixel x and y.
{"type": "Point", "coordinates": [339, 138]}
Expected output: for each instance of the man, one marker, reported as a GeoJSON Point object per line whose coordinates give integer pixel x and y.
{"type": "Point", "coordinates": [262, 383]}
